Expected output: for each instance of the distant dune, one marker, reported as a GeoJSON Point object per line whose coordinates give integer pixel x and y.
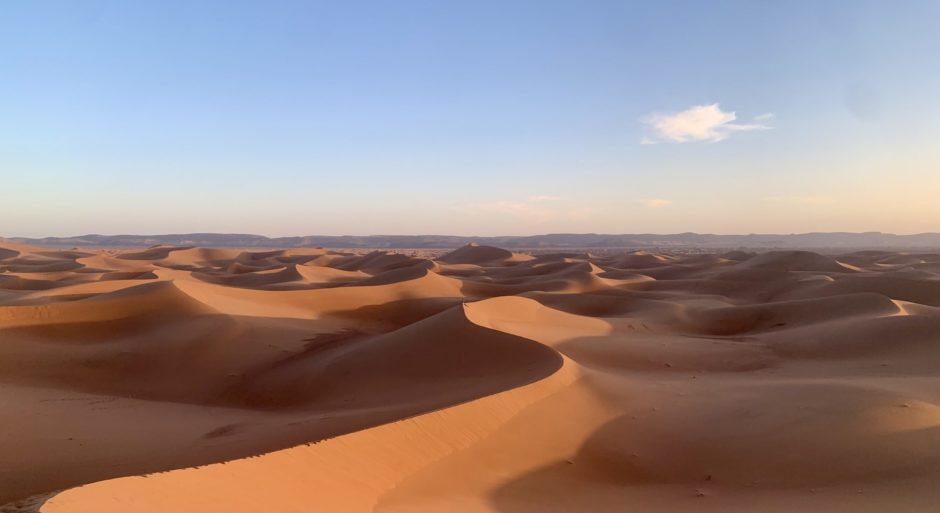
{"type": "Point", "coordinates": [184, 378]}
{"type": "Point", "coordinates": [835, 240]}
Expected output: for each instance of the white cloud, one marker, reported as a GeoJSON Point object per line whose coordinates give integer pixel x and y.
{"type": "Point", "coordinates": [699, 123]}
{"type": "Point", "coordinates": [657, 202]}
{"type": "Point", "coordinates": [545, 198]}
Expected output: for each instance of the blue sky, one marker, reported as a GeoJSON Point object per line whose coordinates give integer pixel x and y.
{"type": "Point", "coordinates": [286, 118]}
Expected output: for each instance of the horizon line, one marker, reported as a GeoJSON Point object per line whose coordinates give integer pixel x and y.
{"type": "Point", "coordinates": [541, 234]}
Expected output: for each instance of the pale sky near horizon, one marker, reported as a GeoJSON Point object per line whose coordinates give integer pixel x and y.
{"type": "Point", "coordinates": [468, 117]}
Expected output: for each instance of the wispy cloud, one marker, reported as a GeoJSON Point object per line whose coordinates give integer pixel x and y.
{"type": "Point", "coordinates": [535, 209]}
{"type": "Point", "coordinates": [657, 202]}
{"type": "Point", "coordinates": [700, 123]}
{"type": "Point", "coordinates": [802, 200]}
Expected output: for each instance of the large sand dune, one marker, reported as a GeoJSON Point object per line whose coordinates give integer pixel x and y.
{"type": "Point", "coordinates": [192, 379]}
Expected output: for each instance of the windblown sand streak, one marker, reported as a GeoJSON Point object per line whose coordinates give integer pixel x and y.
{"type": "Point", "coordinates": [193, 379]}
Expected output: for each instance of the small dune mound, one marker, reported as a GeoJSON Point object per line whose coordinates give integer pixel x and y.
{"type": "Point", "coordinates": [327, 260]}
{"type": "Point", "coordinates": [67, 254]}
{"type": "Point", "coordinates": [376, 261]}
{"type": "Point", "coordinates": [476, 254]}
{"type": "Point", "coordinates": [315, 272]}
{"type": "Point", "coordinates": [737, 255]}
{"type": "Point", "coordinates": [257, 278]}
{"type": "Point", "coordinates": [395, 276]}
{"type": "Point", "coordinates": [127, 275]}
{"type": "Point", "coordinates": [157, 299]}
{"type": "Point", "coordinates": [531, 269]}
{"type": "Point", "coordinates": [39, 264]}
{"type": "Point", "coordinates": [555, 257]}
{"type": "Point", "coordinates": [901, 260]}
{"type": "Point", "coordinates": [241, 268]}
{"type": "Point", "coordinates": [9, 282]}
{"type": "Point", "coordinates": [253, 257]}
{"type": "Point", "coordinates": [794, 261]}
{"type": "Point", "coordinates": [6, 253]}
{"type": "Point", "coordinates": [923, 291]}
{"type": "Point", "coordinates": [152, 253]}
{"type": "Point", "coordinates": [528, 271]}
{"type": "Point", "coordinates": [735, 320]}
{"type": "Point", "coordinates": [200, 257]}
{"type": "Point", "coordinates": [639, 260]}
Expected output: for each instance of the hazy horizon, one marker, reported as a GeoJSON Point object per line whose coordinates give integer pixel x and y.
{"type": "Point", "coordinates": [471, 235]}
{"type": "Point", "coordinates": [811, 240]}
{"type": "Point", "coordinates": [482, 118]}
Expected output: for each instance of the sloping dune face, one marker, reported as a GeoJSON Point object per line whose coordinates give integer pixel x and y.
{"type": "Point", "coordinates": [194, 379]}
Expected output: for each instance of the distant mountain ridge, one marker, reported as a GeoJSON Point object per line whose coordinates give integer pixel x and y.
{"type": "Point", "coordinates": [833, 240]}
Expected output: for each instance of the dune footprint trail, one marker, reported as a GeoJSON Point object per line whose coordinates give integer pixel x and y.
{"type": "Point", "coordinates": [194, 379]}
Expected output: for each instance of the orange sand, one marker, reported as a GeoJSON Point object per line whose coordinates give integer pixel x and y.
{"type": "Point", "coordinates": [189, 379]}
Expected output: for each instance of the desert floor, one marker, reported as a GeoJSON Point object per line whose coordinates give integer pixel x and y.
{"type": "Point", "coordinates": [188, 379]}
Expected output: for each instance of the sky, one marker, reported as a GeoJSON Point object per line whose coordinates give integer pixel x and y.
{"type": "Point", "coordinates": [468, 117]}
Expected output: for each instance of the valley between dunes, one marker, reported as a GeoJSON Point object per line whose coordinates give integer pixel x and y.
{"type": "Point", "coordinates": [192, 379]}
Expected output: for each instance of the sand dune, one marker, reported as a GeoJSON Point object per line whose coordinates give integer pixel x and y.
{"type": "Point", "coordinates": [196, 379]}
